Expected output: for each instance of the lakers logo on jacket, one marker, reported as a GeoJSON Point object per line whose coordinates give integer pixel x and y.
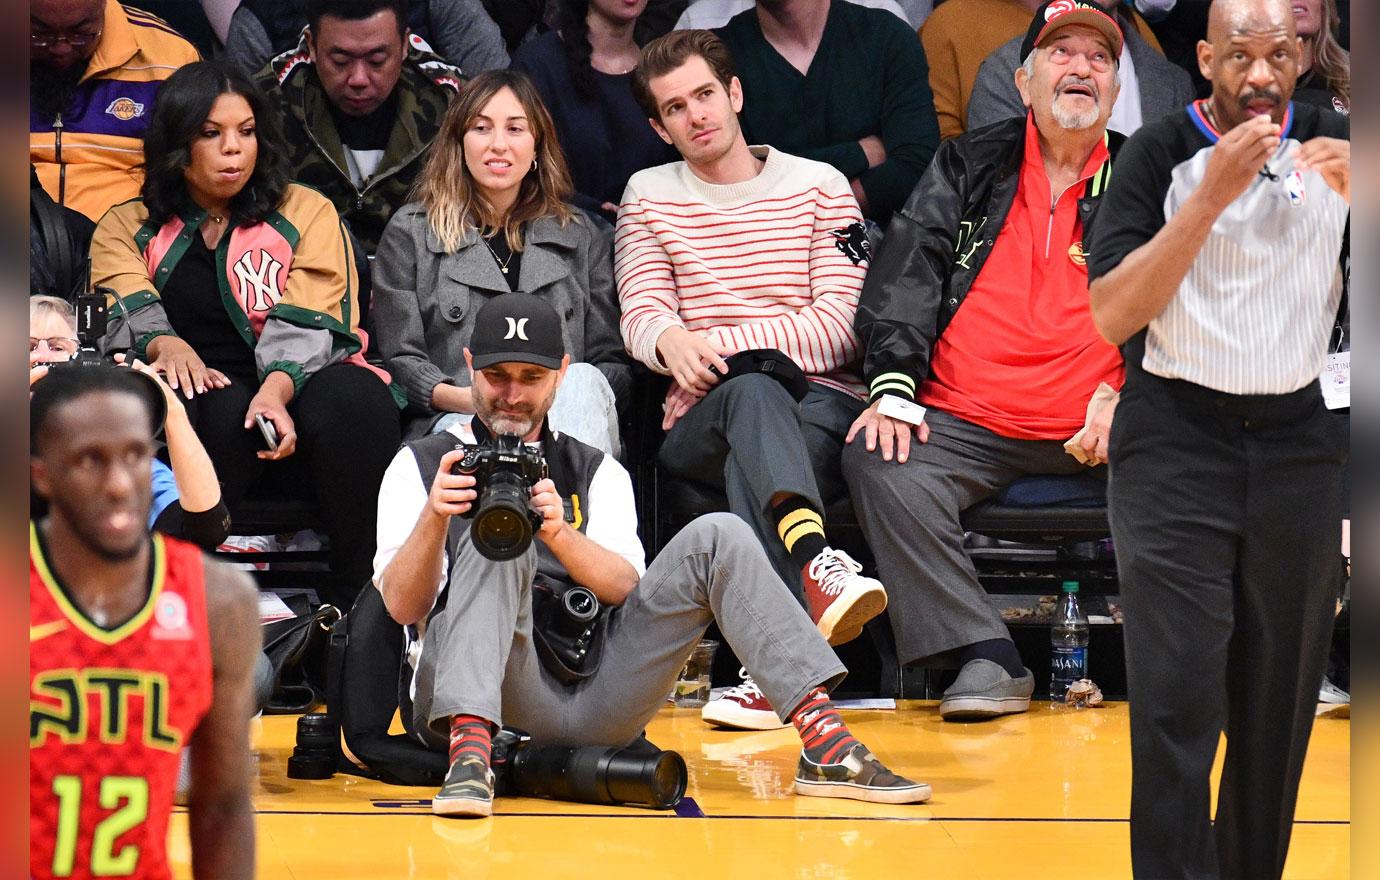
{"type": "Point", "coordinates": [125, 109]}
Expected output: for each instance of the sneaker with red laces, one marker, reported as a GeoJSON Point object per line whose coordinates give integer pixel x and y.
{"type": "Point", "coordinates": [744, 707]}
{"type": "Point", "coordinates": [840, 600]}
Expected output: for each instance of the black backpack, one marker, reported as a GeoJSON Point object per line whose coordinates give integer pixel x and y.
{"type": "Point", "coordinates": [367, 680]}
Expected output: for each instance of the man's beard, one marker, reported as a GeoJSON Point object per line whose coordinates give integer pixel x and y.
{"type": "Point", "coordinates": [1075, 120]}
{"type": "Point", "coordinates": [522, 425]}
{"type": "Point", "coordinates": [91, 539]}
{"type": "Point", "coordinates": [51, 89]}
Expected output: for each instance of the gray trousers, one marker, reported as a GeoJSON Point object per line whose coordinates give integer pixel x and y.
{"type": "Point", "coordinates": [1226, 512]}
{"type": "Point", "coordinates": [910, 515]}
{"type": "Point", "coordinates": [751, 440]}
{"type": "Point", "coordinates": [478, 656]}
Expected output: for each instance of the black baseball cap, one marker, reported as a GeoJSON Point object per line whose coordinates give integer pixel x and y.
{"type": "Point", "coordinates": [1060, 13]}
{"type": "Point", "coordinates": [517, 328]}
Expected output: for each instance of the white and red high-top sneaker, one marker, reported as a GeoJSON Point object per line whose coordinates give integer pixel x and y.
{"type": "Point", "coordinates": [744, 707]}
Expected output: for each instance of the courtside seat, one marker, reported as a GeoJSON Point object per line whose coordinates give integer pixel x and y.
{"type": "Point", "coordinates": [267, 510]}
{"type": "Point", "coordinates": [1055, 510]}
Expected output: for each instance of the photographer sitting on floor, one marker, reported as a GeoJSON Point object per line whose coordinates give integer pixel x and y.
{"type": "Point", "coordinates": [493, 646]}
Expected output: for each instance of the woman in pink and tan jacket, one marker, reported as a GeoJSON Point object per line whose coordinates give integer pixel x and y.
{"type": "Point", "coordinates": [241, 288]}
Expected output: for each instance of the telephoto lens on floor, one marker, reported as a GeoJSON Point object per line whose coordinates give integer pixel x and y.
{"type": "Point", "coordinates": [318, 741]}
{"type": "Point", "coordinates": [640, 775]}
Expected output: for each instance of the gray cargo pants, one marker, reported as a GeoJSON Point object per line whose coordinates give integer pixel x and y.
{"type": "Point", "coordinates": [478, 656]}
{"type": "Point", "coordinates": [910, 516]}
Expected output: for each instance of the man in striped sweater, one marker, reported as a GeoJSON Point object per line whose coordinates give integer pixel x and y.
{"type": "Point", "coordinates": [739, 248]}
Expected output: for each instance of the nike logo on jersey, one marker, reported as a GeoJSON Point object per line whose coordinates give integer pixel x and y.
{"type": "Point", "coordinates": [43, 630]}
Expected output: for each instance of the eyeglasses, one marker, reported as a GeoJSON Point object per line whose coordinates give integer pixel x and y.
{"type": "Point", "coordinates": [48, 40]}
{"type": "Point", "coordinates": [64, 344]}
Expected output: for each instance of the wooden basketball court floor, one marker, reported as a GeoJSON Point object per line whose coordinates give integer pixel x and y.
{"type": "Point", "coordinates": [1043, 794]}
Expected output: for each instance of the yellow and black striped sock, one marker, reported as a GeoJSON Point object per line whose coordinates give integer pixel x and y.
{"type": "Point", "coordinates": [801, 529]}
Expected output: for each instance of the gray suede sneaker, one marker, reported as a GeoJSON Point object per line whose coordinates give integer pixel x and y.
{"type": "Point", "coordinates": [984, 690]}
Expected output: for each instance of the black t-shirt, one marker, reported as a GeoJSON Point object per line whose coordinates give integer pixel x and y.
{"type": "Point", "coordinates": [1312, 88]}
{"type": "Point", "coordinates": [192, 299]}
{"type": "Point", "coordinates": [606, 138]}
{"type": "Point", "coordinates": [366, 132]}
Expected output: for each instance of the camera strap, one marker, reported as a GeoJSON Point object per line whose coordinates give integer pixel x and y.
{"type": "Point", "coordinates": [57, 241]}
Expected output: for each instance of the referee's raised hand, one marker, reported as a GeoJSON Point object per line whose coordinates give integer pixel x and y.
{"type": "Point", "coordinates": [1238, 158]}
{"type": "Point", "coordinates": [1330, 157]}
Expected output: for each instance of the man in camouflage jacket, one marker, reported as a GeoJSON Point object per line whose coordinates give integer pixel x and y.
{"type": "Point", "coordinates": [350, 80]}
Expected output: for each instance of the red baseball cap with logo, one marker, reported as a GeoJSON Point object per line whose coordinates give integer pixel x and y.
{"type": "Point", "coordinates": [1057, 14]}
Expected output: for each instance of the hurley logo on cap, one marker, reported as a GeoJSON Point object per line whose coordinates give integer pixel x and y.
{"type": "Point", "coordinates": [517, 328]}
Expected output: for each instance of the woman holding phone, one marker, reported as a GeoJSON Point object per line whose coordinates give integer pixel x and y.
{"type": "Point", "coordinates": [240, 288]}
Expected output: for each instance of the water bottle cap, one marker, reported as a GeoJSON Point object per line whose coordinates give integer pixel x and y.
{"type": "Point", "coordinates": [1070, 586]}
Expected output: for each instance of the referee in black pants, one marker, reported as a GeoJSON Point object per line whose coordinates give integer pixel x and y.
{"type": "Point", "coordinates": [1216, 260]}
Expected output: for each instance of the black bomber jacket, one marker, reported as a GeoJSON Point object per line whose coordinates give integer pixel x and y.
{"type": "Point", "coordinates": [937, 244]}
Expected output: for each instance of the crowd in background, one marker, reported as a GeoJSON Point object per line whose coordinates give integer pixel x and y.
{"type": "Point", "coordinates": [352, 195]}
{"type": "Point", "coordinates": [889, 205]}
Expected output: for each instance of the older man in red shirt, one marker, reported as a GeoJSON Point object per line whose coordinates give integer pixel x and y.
{"type": "Point", "coordinates": [980, 353]}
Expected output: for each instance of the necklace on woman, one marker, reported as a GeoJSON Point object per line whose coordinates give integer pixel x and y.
{"type": "Point", "coordinates": [215, 218]}
{"type": "Point", "coordinates": [502, 264]}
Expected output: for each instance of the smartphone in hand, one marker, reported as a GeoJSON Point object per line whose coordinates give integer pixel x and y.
{"type": "Point", "coordinates": [269, 432]}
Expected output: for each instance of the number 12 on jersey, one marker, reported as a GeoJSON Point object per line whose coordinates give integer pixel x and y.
{"type": "Point", "coordinates": [128, 796]}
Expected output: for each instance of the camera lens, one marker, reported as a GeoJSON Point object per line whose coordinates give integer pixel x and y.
{"type": "Point", "coordinates": [501, 528]}
{"type": "Point", "coordinates": [502, 532]}
{"type": "Point", "coordinates": [318, 738]}
{"type": "Point", "coordinates": [594, 775]}
{"type": "Point", "coordinates": [581, 604]}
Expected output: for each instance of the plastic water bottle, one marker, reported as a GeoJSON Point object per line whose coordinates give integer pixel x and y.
{"type": "Point", "coordinates": [1068, 643]}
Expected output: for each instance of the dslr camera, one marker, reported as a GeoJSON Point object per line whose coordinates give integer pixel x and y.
{"type": "Point", "coordinates": [91, 326]}
{"type": "Point", "coordinates": [502, 519]}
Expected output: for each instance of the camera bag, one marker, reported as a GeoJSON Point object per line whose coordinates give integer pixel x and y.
{"type": "Point", "coordinates": [296, 647]}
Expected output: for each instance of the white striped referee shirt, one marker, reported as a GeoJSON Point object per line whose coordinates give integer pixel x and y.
{"type": "Point", "coordinates": [1256, 309]}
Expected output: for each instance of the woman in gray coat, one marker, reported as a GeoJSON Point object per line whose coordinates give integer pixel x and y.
{"type": "Point", "coordinates": [491, 215]}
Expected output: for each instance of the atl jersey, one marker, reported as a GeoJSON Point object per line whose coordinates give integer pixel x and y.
{"type": "Point", "coordinates": [109, 712]}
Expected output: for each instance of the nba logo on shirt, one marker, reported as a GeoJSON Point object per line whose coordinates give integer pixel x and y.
{"type": "Point", "coordinates": [170, 618]}
{"type": "Point", "coordinates": [1293, 185]}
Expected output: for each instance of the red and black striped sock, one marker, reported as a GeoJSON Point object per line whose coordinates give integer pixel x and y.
{"type": "Point", "coordinates": [470, 735]}
{"type": "Point", "coordinates": [826, 738]}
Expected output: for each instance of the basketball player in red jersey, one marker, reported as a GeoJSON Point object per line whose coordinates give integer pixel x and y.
{"type": "Point", "coordinates": [137, 647]}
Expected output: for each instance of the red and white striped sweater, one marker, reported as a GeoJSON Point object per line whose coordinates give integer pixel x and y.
{"type": "Point", "coordinates": [773, 262]}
